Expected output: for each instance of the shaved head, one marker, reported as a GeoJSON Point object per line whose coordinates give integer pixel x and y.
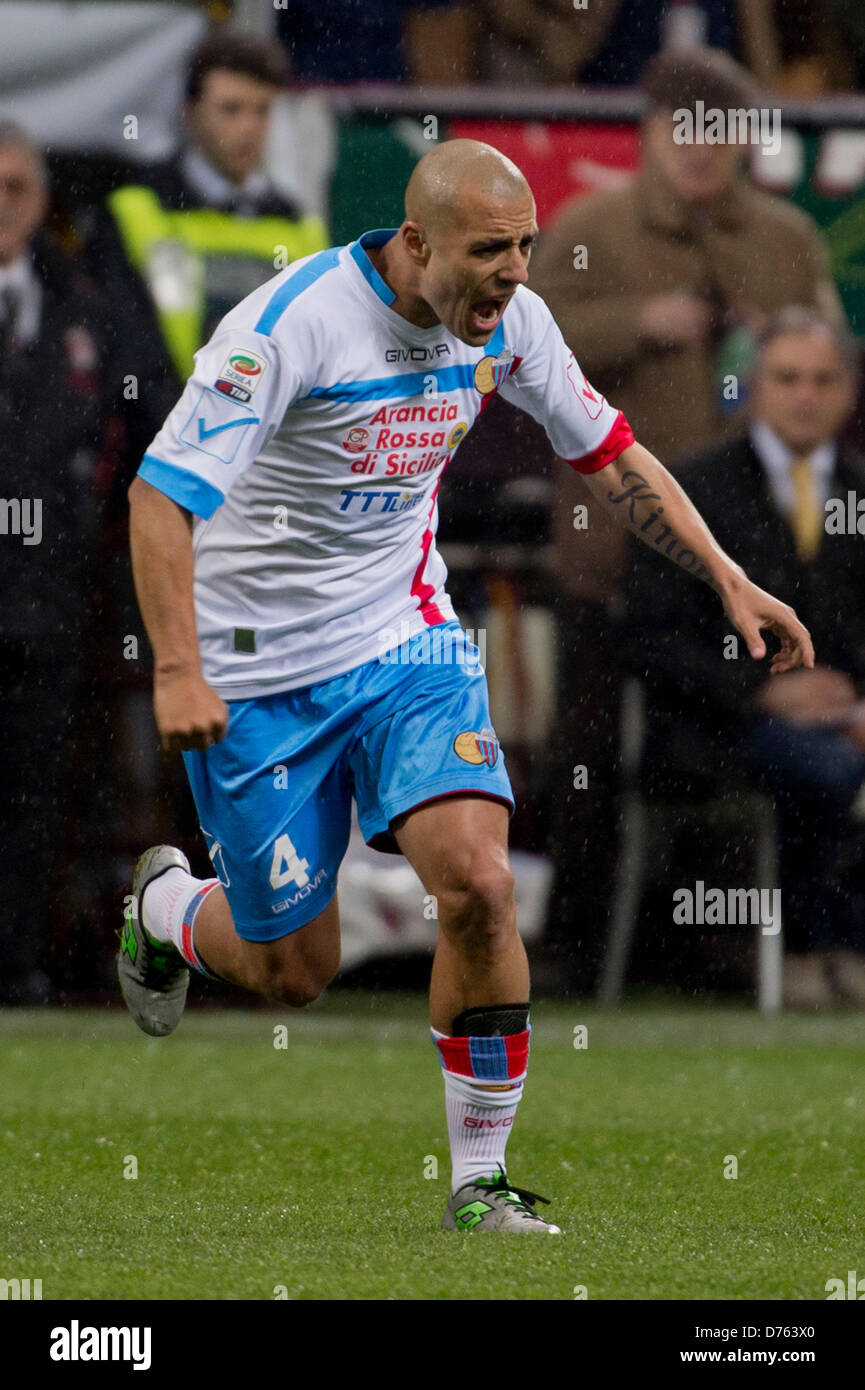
{"type": "Point", "coordinates": [454, 178]}
{"type": "Point", "coordinates": [463, 250]}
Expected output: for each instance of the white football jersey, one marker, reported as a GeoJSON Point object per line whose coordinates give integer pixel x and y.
{"type": "Point", "coordinates": [309, 443]}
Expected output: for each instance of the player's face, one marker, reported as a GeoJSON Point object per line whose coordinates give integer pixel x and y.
{"type": "Point", "coordinates": [802, 390]}
{"type": "Point", "coordinates": [22, 202]}
{"type": "Point", "coordinates": [229, 121]}
{"type": "Point", "coordinates": [696, 172]}
{"type": "Point", "coordinates": [476, 265]}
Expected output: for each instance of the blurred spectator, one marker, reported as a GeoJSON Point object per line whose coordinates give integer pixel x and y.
{"type": "Point", "coordinates": [608, 42]}
{"type": "Point", "coordinates": [198, 234]}
{"type": "Point", "coordinates": [61, 381]}
{"type": "Point", "coordinates": [812, 46]}
{"type": "Point", "coordinates": [800, 736]}
{"type": "Point", "coordinates": [391, 41]}
{"type": "Point", "coordinates": [683, 264]}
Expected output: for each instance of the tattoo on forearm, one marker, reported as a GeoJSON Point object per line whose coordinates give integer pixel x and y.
{"type": "Point", "coordinates": [665, 539]}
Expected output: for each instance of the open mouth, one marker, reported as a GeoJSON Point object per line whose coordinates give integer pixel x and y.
{"type": "Point", "coordinates": [484, 315]}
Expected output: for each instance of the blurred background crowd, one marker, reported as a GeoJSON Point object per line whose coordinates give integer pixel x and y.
{"type": "Point", "coordinates": [160, 160]}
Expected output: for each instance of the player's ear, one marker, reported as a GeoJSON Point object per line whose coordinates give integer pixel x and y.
{"type": "Point", "coordinates": [415, 243]}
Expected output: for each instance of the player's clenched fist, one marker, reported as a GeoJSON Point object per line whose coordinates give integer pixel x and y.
{"type": "Point", "coordinates": [189, 714]}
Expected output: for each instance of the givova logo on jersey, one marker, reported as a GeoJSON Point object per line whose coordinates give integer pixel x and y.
{"type": "Point", "coordinates": [477, 748]}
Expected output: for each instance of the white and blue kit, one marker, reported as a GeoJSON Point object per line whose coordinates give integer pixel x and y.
{"type": "Point", "coordinates": [309, 445]}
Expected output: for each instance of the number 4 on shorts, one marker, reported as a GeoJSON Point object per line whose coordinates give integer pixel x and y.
{"type": "Point", "coordinates": [287, 866]}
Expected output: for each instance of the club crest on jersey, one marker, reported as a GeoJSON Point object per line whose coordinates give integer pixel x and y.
{"type": "Point", "coordinates": [244, 370]}
{"type": "Point", "coordinates": [356, 439]}
{"type": "Point", "coordinates": [477, 748]}
{"type": "Point", "coordinates": [456, 434]}
{"type": "Point", "coordinates": [490, 372]}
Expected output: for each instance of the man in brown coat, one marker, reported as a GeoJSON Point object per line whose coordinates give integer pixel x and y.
{"type": "Point", "coordinates": [683, 264]}
{"type": "Point", "coordinates": [682, 267]}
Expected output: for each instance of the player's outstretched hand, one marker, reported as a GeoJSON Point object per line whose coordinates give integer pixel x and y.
{"type": "Point", "coordinates": [751, 609]}
{"type": "Point", "coordinates": [189, 714]}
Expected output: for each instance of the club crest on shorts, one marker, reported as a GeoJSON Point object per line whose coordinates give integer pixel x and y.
{"type": "Point", "coordinates": [477, 748]}
{"type": "Point", "coordinates": [490, 372]}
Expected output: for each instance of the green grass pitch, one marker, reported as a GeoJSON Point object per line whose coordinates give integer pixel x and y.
{"type": "Point", "coordinates": [303, 1169]}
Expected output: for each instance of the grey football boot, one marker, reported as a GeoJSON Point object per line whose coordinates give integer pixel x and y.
{"type": "Point", "coordinates": [494, 1204]}
{"type": "Point", "coordinates": [153, 975]}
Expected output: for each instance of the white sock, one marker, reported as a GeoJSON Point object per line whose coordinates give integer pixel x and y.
{"type": "Point", "coordinates": [479, 1123]}
{"type": "Point", "coordinates": [164, 903]}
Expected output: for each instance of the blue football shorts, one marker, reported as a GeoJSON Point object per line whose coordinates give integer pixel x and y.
{"type": "Point", "coordinates": [274, 796]}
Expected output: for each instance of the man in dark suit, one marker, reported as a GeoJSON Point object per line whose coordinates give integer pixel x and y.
{"type": "Point", "coordinates": [778, 500]}
{"type": "Point", "coordinates": [67, 353]}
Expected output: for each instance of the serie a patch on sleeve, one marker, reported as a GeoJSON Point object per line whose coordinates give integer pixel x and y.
{"type": "Point", "coordinates": [217, 425]}
{"type": "Point", "coordinates": [241, 374]}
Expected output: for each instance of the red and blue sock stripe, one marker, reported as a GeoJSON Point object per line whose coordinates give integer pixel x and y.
{"type": "Point", "coordinates": [496, 1060]}
{"type": "Point", "coordinates": [187, 943]}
